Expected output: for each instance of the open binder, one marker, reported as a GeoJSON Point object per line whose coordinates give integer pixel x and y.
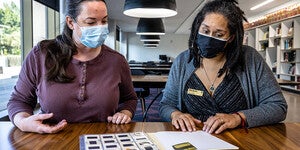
{"type": "Point", "coordinates": [164, 140]}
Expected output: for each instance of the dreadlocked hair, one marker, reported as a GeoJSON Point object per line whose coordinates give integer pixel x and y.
{"type": "Point", "coordinates": [235, 16]}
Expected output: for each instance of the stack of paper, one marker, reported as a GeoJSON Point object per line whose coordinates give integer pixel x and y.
{"type": "Point", "coordinates": [201, 140]}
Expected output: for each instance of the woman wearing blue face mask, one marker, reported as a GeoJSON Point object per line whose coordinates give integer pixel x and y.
{"type": "Point", "coordinates": [74, 77]}
{"type": "Point", "coordinates": [218, 82]}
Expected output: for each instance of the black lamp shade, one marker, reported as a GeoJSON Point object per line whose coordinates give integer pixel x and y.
{"type": "Point", "coordinates": [150, 8]}
{"type": "Point", "coordinates": [151, 42]}
{"type": "Point", "coordinates": [150, 26]}
{"type": "Point", "coordinates": [150, 46]}
{"type": "Point", "coordinates": [54, 4]}
{"type": "Point", "coordinates": [150, 38]}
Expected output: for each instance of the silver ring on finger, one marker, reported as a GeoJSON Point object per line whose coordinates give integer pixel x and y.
{"type": "Point", "coordinates": [222, 121]}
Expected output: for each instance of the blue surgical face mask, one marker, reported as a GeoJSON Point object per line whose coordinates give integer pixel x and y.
{"type": "Point", "coordinates": [93, 36]}
{"type": "Point", "coordinates": [209, 46]}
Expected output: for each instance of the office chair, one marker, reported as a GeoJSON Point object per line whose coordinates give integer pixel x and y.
{"type": "Point", "coordinates": [150, 64]}
{"type": "Point", "coordinates": [141, 92]}
{"type": "Point", "coordinates": [137, 72]}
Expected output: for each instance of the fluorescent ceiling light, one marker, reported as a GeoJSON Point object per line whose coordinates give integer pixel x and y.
{"type": "Point", "coordinates": [261, 4]}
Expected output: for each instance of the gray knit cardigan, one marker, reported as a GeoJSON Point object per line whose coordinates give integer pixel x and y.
{"type": "Point", "coordinates": [266, 104]}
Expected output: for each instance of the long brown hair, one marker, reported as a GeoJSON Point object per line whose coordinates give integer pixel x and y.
{"type": "Point", "coordinates": [60, 50]}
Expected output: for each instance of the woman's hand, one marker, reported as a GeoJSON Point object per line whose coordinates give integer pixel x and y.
{"type": "Point", "coordinates": [121, 117]}
{"type": "Point", "coordinates": [220, 122]}
{"type": "Point", "coordinates": [34, 123]}
{"type": "Point", "coordinates": [184, 121]}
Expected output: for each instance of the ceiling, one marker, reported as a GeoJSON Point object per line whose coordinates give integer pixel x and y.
{"type": "Point", "coordinates": [187, 10]}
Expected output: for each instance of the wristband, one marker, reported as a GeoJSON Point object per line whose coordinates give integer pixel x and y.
{"type": "Point", "coordinates": [243, 122]}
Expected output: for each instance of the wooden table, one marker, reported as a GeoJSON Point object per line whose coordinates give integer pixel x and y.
{"type": "Point", "coordinates": [164, 78]}
{"type": "Point", "coordinates": [151, 70]}
{"type": "Point", "coordinates": [279, 136]}
{"type": "Point", "coordinates": [149, 81]}
{"type": "Point", "coordinates": [287, 82]}
{"type": "Point", "coordinates": [146, 79]}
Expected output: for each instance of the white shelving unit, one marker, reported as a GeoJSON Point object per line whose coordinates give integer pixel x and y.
{"type": "Point", "coordinates": [279, 44]}
{"type": "Point", "coordinates": [263, 40]}
{"type": "Point", "coordinates": [250, 38]}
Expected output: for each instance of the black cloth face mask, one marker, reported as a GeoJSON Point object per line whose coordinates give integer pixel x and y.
{"type": "Point", "coordinates": [209, 46]}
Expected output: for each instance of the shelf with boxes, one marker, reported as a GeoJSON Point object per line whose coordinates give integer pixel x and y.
{"type": "Point", "coordinates": [289, 64]}
{"type": "Point", "coordinates": [279, 44]}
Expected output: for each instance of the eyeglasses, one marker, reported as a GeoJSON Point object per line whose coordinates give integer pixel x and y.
{"type": "Point", "coordinates": [221, 39]}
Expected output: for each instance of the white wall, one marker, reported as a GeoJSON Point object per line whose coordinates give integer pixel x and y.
{"type": "Point", "coordinates": [170, 45]}
{"type": "Point", "coordinates": [111, 38]}
{"type": "Point", "coordinates": [123, 44]}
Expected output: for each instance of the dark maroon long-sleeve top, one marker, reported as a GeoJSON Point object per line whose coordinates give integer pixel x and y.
{"type": "Point", "coordinates": [101, 88]}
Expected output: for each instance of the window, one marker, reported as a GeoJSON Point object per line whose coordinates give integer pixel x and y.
{"type": "Point", "coordinates": [39, 15]}
{"type": "Point", "coordinates": [15, 44]}
{"type": "Point", "coordinates": [10, 48]}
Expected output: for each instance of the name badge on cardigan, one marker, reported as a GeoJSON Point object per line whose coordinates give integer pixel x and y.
{"type": "Point", "coordinates": [195, 92]}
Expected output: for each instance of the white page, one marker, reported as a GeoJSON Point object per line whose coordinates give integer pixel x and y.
{"type": "Point", "coordinates": [201, 140]}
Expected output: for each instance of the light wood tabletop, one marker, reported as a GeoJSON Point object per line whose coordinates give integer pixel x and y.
{"type": "Point", "coordinates": [150, 68]}
{"type": "Point", "coordinates": [287, 82]}
{"type": "Point", "coordinates": [164, 78]}
{"type": "Point", "coordinates": [149, 78]}
{"type": "Point", "coordinates": [279, 136]}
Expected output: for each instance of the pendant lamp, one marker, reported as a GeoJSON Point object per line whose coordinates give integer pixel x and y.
{"type": "Point", "coordinates": [151, 42]}
{"type": "Point", "coordinates": [150, 26]}
{"type": "Point", "coordinates": [150, 38]}
{"type": "Point", "coordinates": [150, 46]}
{"type": "Point", "coordinates": [150, 8]}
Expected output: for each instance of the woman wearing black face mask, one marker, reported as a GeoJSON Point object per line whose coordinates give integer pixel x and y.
{"type": "Point", "coordinates": [218, 81]}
